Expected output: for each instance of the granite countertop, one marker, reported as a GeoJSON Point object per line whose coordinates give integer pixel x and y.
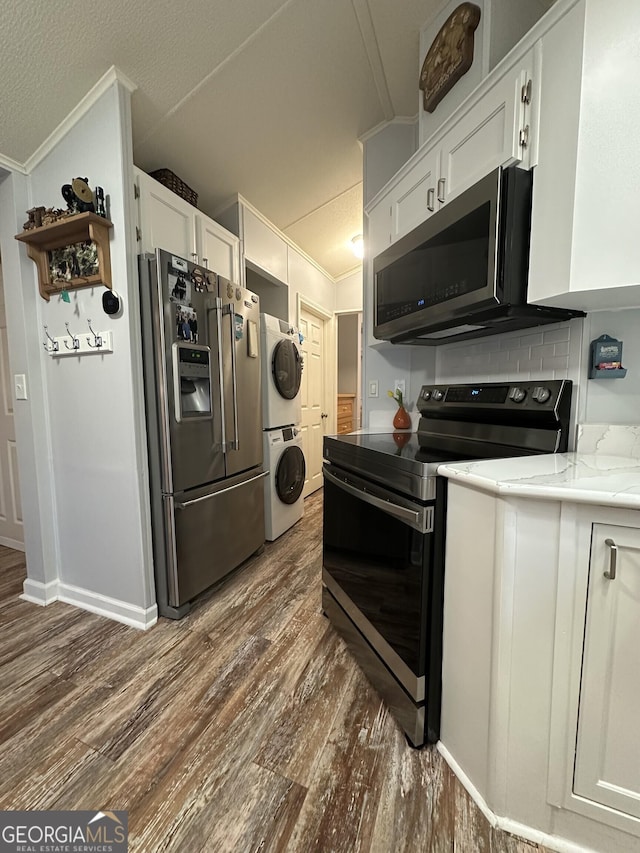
{"type": "Point", "coordinates": [594, 478]}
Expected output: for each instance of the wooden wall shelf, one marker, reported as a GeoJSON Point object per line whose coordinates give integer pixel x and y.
{"type": "Point", "coordinates": [65, 232]}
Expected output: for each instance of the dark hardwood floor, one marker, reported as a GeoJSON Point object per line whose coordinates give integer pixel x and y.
{"type": "Point", "coordinates": [244, 727]}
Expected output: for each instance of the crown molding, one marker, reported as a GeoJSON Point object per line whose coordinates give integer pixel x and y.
{"type": "Point", "coordinates": [11, 165]}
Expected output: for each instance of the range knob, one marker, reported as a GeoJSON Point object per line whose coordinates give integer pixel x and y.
{"type": "Point", "coordinates": [541, 394]}
{"type": "Point", "coordinates": [517, 394]}
{"type": "Point", "coordinates": [426, 394]}
{"type": "Point", "coordinates": [437, 394]}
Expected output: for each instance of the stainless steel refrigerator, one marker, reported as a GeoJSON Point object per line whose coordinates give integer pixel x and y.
{"type": "Point", "coordinates": [201, 356]}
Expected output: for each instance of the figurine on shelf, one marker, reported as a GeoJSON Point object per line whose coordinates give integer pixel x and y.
{"type": "Point", "coordinates": [53, 215]}
{"type": "Point", "coordinates": [78, 196]}
{"type": "Point", "coordinates": [101, 209]}
{"type": "Point", "coordinates": [35, 218]}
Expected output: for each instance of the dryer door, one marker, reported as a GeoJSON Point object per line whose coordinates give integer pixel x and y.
{"type": "Point", "coordinates": [290, 475]}
{"type": "Point", "coordinates": [286, 366]}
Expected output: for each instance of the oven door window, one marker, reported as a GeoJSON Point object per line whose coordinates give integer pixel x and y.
{"type": "Point", "coordinates": [383, 565]}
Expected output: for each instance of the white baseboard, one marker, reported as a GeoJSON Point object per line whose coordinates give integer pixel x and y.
{"type": "Point", "coordinates": [40, 593]}
{"type": "Point", "coordinates": [551, 842]}
{"type": "Point", "coordinates": [112, 608]}
{"type": "Point", "coordinates": [12, 543]}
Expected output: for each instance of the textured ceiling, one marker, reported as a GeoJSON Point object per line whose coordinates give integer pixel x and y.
{"type": "Point", "coordinates": [262, 97]}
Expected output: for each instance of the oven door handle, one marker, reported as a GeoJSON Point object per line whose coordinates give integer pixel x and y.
{"type": "Point", "coordinates": [421, 520]}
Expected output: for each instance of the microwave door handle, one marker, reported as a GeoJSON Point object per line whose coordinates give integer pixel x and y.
{"type": "Point", "coordinates": [235, 443]}
{"type": "Point", "coordinates": [417, 520]}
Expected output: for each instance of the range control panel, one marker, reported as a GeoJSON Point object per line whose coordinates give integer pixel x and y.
{"type": "Point", "coordinates": [544, 395]}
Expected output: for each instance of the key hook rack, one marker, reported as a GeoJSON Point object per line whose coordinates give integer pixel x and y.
{"type": "Point", "coordinates": [79, 345]}
{"type": "Point", "coordinates": [51, 344]}
{"type": "Point", "coordinates": [97, 339]}
{"type": "Point", "coordinates": [75, 342]}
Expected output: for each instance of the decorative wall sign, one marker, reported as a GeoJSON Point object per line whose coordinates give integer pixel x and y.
{"type": "Point", "coordinates": [450, 55]}
{"type": "Point", "coordinates": [605, 359]}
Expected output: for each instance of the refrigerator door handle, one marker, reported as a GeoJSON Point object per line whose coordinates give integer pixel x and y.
{"type": "Point", "coordinates": [218, 310]}
{"type": "Point", "coordinates": [186, 504]}
{"type": "Point", "coordinates": [235, 443]}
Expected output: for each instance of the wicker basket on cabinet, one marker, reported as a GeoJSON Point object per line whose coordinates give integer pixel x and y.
{"type": "Point", "coordinates": [172, 182]}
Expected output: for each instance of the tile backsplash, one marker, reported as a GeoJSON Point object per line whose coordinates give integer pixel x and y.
{"type": "Point", "coordinates": [547, 352]}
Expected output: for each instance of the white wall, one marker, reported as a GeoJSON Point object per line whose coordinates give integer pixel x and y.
{"type": "Point", "coordinates": [614, 401]}
{"type": "Point", "coordinates": [349, 292]}
{"type": "Point", "coordinates": [31, 415]}
{"type": "Point", "coordinates": [307, 280]}
{"type": "Point", "coordinates": [94, 405]}
{"type": "Point", "coordinates": [385, 150]}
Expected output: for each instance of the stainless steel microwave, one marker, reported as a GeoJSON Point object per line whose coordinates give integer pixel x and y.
{"type": "Point", "coordinates": [462, 273]}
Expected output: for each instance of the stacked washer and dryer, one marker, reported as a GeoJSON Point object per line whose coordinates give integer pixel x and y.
{"type": "Point", "coordinates": [281, 414]}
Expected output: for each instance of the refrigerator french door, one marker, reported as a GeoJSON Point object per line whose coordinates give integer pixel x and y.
{"type": "Point", "coordinates": [201, 360]}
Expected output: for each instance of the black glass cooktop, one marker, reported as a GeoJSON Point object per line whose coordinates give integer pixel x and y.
{"type": "Point", "coordinates": [395, 459]}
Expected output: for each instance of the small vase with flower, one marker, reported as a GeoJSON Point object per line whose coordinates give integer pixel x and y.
{"type": "Point", "coordinates": [401, 419]}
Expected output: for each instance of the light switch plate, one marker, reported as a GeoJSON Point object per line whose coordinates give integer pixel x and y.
{"type": "Point", "coordinates": [20, 384]}
{"type": "Point", "coordinates": [373, 388]}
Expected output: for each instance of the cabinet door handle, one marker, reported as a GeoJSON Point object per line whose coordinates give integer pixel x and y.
{"type": "Point", "coordinates": [431, 199]}
{"type": "Point", "coordinates": [441, 186]}
{"type": "Point", "coordinates": [524, 137]}
{"type": "Point", "coordinates": [613, 556]}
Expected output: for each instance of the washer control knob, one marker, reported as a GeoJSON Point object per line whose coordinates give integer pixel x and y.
{"type": "Point", "coordinates": [517, 394]}
{"type": "Point", "coordinates": [426, 394]}
{"type": "Point", "coordinates": [541, 394]}
{"type": "Point", "coordinates": [438, 394]}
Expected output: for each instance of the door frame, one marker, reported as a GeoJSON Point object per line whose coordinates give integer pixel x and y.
{"type": "Point", "coordinates": [330, 351]}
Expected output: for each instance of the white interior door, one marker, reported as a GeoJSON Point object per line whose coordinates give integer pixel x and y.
{"type": "Point", "coordinates": [312, 327]}
{"type": "Point", "coordinates": [11, 529]}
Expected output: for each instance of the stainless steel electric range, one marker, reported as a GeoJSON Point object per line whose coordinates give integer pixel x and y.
{"type": "Point", "coordinates": [385, 522]}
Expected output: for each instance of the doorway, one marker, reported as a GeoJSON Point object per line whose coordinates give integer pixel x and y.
{"type": "Point", "coordinates": [11, 523]}
{"type": "Point", "coordinates": [349, 371]}
{"type": "Point", "coordinates": [318, 416]}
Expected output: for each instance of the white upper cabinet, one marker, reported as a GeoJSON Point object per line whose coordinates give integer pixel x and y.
{"type": "Point", "coordinates": [169, 222]}
{"type": "Point", "coordinates": [492, 128]}
{"type": "Point", "coordinates": [585, 251]}
{"type": "Point", "coordinates": [495, 131]}
{"type": "Point", "coordinates": [414, 196]}
{"type": "Point", "coordinates": [166, 220]}
{"type": "Point", "coordinates": [264, 247]}
{"type": "Point", "coordinates": [218, 250]}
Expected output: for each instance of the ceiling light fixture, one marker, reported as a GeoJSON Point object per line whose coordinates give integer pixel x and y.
{"type": "Point", "coordinates": [357, 246]}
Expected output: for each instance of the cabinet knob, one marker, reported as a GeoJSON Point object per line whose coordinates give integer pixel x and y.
{"type": "Point", "coordinates": [613, 556]}
{"type": "Point", "coordinates": [205, 261]}
{"type": "Point", "coordinates": [194, 255]}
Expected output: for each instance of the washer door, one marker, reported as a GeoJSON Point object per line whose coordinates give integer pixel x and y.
{"type": "Point", "coordinates": [290, 475]}
{"type": "Point", "coordinates": [286, 366]}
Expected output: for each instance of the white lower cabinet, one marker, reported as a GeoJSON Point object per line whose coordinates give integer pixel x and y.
{"type": "Point", "coordinates": [167, 221]}
{"type": "Point", "coordinates": [541, 665]}
{"type": "Point", "coordinates": [607, 766]}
